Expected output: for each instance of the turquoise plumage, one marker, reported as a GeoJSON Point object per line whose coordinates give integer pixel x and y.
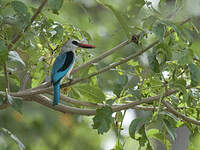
{"type": "Point", "coordinates": [63, 65]}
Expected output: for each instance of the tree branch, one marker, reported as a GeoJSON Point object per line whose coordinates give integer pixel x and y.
{"type": "Point", "coordinates": [178, 114]}
{"type": "Point", "coordinates": [41, 99]}
{"type": "Point", "coordinates": [78, 102]}
{"type": "Point", "coordinates": [44, 100]}
{"type": "Point", "coordinates": [102, 56]}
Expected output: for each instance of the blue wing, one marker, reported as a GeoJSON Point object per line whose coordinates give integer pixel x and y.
{"type": "Point", "coordinates": [61, 66]}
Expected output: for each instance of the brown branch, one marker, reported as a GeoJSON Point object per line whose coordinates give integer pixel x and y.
{"type": "Point", "coordinates": [41, 99]}
{"type": "Point", "coordinates": [67, 109]}
{"type": "Point", "coordinates": [102, 56]}
{"type": "Point", "coordinates": [44, 100]}
{"type": "Point", "coordinates": [78, 102]}
{"type": "Point", "coordinates": [178, 114]}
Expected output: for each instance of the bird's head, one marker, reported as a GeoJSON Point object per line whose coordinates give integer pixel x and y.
{"type": "Point", "coordinates": [71, 45]}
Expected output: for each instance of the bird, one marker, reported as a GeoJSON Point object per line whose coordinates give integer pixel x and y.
{"type": "Point", "coordinates": [63, 65]}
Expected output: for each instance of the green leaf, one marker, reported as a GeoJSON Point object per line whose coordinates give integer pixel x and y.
{"type": "Point", "coordinates": [120, 82]}
{"type": "Point", "coordinates": [22, 15]}
{"type": "Point", "coordinates": [149, 22]}
{"type": "Point", "coordinates": [194, 74]}
{"type": "Point", "coordinates": [172, 116]}
{"type": "Point", "coordinates": [143, 139]}
{"type": "Point", "coordinates": [175, 27]}
{"type": "Point", "coordinates": [82, 73]}
{"type": "Point", "coordinates": [117, 89]}
{"type": "Point", "coordinates": [159, 30]}
{"type": "Point", "coordinates": [74, 93]}
{"type": "Point", "coordinates": [14, 57]}
{"type": "Point", "coordinates": [119, 17]}
{"type": "Point", "coordinates": [10, 99]}
{"type": "Point", "coordinates": [17, 104]}
{"type": "Point", "coordinates": [151, 132]}
{"type": "Point", "coordinates": [133, 126]}
{"type": "Point", "coordinates": [103, 119]}
{"type": "Point", "coordinates": [185, 57]}
{"type": "Point", "coordinates": [194, 141]}
{"type": "Point", "coordinates": [164, 51]}
{"type": "Point", "coordinates": [91, 93]}
{"type": "Point", "coordinates": [110, 101]}
{"type": "Point", "coordinates": [19, 7]}
{"type": "Point", "coordinates": [134, 7]}
{"type": "Point", "coordinates": [135, 93]}
{"type": "Point", "coordinates": [38, 74]}
{"type": "Point", "coordinates": [196, 48]}
{"type": "Point", "coordinates": [160, 137]}
{"type": "Point", "coordinates": [59, 33]}
{"type": "Point", "coordinates": [180, 84]}
{"type": "Point", "coordinates": [55, 5]}
{"type": "Point", "coordinates": [153, 63]}
{"type": "Point", "coordinates": [187, 35]}
{"type": "Point", "coordinates": [19, 143]}
{"type": "Point", "coordinates": [170, 129]}
{"type": "Point", "coordinates": [3, 51]}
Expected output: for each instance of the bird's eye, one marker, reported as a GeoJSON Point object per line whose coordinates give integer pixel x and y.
{"type": "Point", "coordinates": [74, 42]}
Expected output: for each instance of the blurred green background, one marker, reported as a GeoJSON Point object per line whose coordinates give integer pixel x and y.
{"type": "Point", "coordinates": [95, 21]}
{"type": "Point", "coordinates": [40, 128]}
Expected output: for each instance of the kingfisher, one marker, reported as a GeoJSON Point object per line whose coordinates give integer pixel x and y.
{"type": "Point", "coordinates": [63, 65]}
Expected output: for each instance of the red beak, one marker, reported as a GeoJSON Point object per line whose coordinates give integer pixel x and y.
{"type": "Point", "coordinates": [82, 45]}
{"type": "Point", "coordinates": [85, 45]}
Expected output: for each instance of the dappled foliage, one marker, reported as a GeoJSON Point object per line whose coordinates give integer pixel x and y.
{"type": "Point", "coordinates": [156, 69]}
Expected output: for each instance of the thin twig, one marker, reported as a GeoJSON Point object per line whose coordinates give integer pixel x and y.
{"type": "Point", "coordinates": [78, 102]}
{"type": "Point", "coordinates": [102, 56]}
{"type": "Point", "coordinates": [178, 114]}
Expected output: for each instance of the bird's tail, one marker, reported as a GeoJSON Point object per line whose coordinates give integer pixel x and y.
{"type": "Point", "coordinates": [56, 95]}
